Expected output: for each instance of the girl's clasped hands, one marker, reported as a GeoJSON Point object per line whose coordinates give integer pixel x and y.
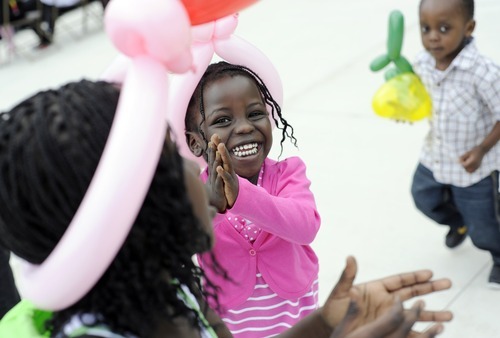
{"type": "Point", "coordinates": [222, 183]}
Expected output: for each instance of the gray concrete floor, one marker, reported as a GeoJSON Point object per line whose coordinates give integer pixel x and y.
{"type": "Point", "coordinates": [360, 165]}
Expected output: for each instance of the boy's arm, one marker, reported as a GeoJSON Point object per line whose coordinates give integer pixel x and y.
{"type": "Point", "coordinates": [488, 88]}
{"type": "Point", "coordinates": [291, 214]}
{"type": "Point", "coordinates": [492, 139]}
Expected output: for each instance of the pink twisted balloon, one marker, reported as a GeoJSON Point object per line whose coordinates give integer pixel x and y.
{"type": "Point", "coordinates": [154, 37]}
{"type": "Point", "coordinates": [126, 168]}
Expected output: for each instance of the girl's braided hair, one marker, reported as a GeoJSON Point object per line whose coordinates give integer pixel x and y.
{"type": "Point", "coordinates": [50, 145]}
{"type": "Point", "coordinates": [223, 69]}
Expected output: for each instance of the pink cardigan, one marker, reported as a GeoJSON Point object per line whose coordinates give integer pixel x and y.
{"type": "Point", "coordinates": [285, 209]}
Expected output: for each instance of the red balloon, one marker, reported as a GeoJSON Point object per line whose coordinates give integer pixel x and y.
{"type": "Point", "coordinates": [203, 11]}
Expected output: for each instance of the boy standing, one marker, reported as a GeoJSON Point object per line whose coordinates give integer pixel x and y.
{"type": "Point", "coordinates": [456, 181]}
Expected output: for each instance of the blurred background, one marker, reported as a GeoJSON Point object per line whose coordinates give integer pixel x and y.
{"type": "Point", "coordinates": [360, 165]}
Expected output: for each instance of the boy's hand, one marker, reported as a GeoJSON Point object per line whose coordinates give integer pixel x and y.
{"type": "Point", "coordinates": [380, 295]}
{"type": "Point", "coordinates": [472, 159]}
{"type": "Point", "coordinates": [215, 184]}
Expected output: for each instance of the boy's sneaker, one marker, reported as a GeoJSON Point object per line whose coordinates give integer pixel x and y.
{"type": "Point", "coordinates": [456, 236]}
{"type": "Point", "coordinates": [494, 279]}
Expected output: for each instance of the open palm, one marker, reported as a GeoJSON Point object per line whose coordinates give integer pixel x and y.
{"type": "Point", "coordinates": [377, 297]}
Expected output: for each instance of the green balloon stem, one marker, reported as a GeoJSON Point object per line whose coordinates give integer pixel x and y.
{"type": "Point", "coordinates": [396, 33]}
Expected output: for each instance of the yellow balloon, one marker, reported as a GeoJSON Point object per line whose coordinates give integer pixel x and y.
{"type": "Point", "coordinates": [403, 98]}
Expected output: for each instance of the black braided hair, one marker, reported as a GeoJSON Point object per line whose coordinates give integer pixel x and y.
{"type": "Point", "coordinates": [223, 69]}
{"type": "Point", "coordinates": [50, 145]}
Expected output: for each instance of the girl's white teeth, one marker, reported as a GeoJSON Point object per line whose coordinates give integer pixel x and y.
{"type": "Point", "coordinates": [245, 150]}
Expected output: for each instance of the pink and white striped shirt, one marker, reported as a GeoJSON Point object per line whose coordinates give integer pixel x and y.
{"type": "Point", "coordinates": [265, 314]}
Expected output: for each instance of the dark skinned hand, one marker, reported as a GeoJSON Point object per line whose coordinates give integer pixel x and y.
{"type": "Point", "coordinates": [225, 171]}
{"type": "Point", "coordinates": [215, 184]}
{"type": "Point", "coordinates": [377, 297]}
{"type": "Point", "coordinates": [472, 159]}
{"type": "Point", "coordinates": [395, 323]}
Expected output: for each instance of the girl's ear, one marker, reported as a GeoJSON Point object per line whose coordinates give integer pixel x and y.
{"type": "Point", "coordinates": [195, 143]}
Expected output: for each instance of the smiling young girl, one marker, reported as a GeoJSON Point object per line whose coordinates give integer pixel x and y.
{"type": "Point", "coordinates": [267, 214]}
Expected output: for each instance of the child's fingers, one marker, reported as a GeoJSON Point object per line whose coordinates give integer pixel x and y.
{"type": "Point", "coordinates": [215, 189]}
{"type": "Point", "coordinates": [215, 139]}
{"type": "Point", "coordinates": [214, 160]}
{"type": "Point", "coordinates": [210, 153]}
{"type": "Point", "coordinates": [211, 160]}
{"type": "Point", "coordinates": [212, 145]}
{"type": "Point", "coordinates": [231, 186]}
{"type": "Point", "coordinates": [221, 172]}
{"type": "Point", "coordinates": [218, 161]}
{"type": "Point", "coordinates": [226, 177]}
{"type": "Point", "coordinates": [213, 153]}
{"type": "Point", "coordinates": [226, 159]}
{"type": "Point", "coordinates": [219, 182]}
{"type": "Point", "coordinates": [218, 158]}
